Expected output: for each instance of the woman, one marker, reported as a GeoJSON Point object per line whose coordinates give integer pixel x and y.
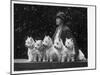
{"type": "Point", "coordinates": [63, 31]}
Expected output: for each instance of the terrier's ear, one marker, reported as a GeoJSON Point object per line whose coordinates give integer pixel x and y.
{"type": "Point", "coordinates": [28, 37]}
{"type": "Point", "coordinates": [71, 39]}
{"type": "Point", "coordinates": [48, 36]}
{"type": "Point", "coordinates": [44, 36]}
{"type": "Point", "coordinates": [66, 38]}
{"type": "Point", "coordinates": [35, 40]}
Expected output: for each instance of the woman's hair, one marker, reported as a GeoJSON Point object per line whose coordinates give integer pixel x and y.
{"type": "Point", "coordinates": [65, 17]}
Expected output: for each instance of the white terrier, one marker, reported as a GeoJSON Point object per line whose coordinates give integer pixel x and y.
{"type": "Point", "coordinates": [29, 43]}
{"type": "Point", "coordinates": [51, 52]}
{"type": "Point", "coordinates": [37, 49]}
{"type": "Point", "coordinates": [58, 44]}
{"type": "Point", "coordinates": [69, 44]}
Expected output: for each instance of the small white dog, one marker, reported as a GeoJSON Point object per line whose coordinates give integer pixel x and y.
{"type": "Point", "coordinates": [51, 52]}
{"type": "Point", "coordinates": [69, 44]}
{"type": "Point", "coordinates": [58, 44]}
{"type": "Point", "coordinates": [38, 48]}
{"type": "Point", "coordinates": [29, 43]}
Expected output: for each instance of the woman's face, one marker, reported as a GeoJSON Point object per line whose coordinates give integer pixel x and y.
{"type": "Point", "coordinates": [58, 21]}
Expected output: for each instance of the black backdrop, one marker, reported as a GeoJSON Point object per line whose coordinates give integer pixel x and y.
{"type": "Point", "coordinates": [38, 21]}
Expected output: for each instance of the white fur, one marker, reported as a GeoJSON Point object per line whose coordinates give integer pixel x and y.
{"type": "Point", "coordinates": [50, 50]}
{"type": "Point", "coordinates": [71, 49]}
{"type": "Point", "coordinates": [81, 56]}
{"type": "Point", "coordinates": [37, 48]}
{"type": "Point", "coordinates": [29, 43]}
{"type": "Point", "coordinates": [61, 49]}
{"type": "Point", "coordinates": [47, 41]}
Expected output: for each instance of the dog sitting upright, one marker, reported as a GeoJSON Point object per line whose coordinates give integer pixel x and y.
{"type": "Point", "coordinates": [29, 43]}
{"type": "Point", "coordinates": [37, 50]}
{"type": "Point", "coordinates": [69, 44]}
{"type": "Point", "coordinates": [51, 52]}
{"type": "Point", "coordinates": [62, 50]}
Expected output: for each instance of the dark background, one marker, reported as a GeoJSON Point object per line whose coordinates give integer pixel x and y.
{"type": "Point", "coordinates": [38, 21]}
